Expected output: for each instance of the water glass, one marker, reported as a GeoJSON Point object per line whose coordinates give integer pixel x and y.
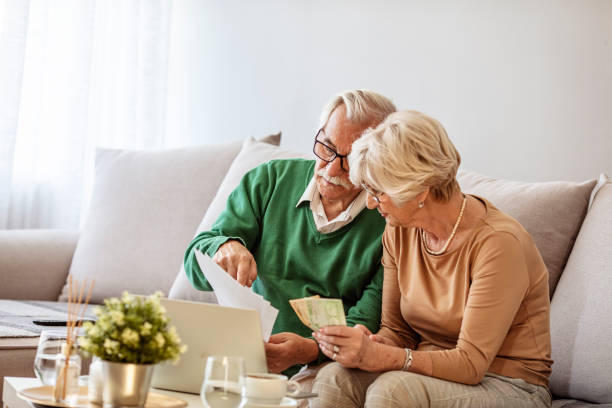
{"type": "Point", "coordinates": [224, 382]}
{"type": "Point", "coordinates": [49, 348]}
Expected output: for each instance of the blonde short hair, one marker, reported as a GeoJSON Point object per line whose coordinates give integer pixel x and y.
{"type": "Point", "coordinates": [362, 107]}
{"type": "Point", "coordinates": [407, 153]}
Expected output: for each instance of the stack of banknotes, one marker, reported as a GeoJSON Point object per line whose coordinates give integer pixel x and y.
{"type": "Point", "coordinates": [316, 312]}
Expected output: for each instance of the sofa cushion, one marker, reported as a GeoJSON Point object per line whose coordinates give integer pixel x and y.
{"type": "Point", "coordinates": [144, 210]}
{"type": "Point", "coordinates": [18, 265]}
{"type": "Point", "coordinates": [581, 321]}
{"type": "Point", "coordinates": [565, 403]}
{"type": "Point", "coordinates": [17, 356]}
{"type": "Point", "coordinates": [551, 212]}
{"type": "Point", "coordinates": [252, 154]}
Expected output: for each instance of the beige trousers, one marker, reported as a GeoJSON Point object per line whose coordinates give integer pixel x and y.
{"type": "Point", "coordinates": [306, 377]}
{"type": "Point", "coordinates": [340, 387]}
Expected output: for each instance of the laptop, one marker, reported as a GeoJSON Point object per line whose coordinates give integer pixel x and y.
{"type": "Point", "coordinates": [208, 329]}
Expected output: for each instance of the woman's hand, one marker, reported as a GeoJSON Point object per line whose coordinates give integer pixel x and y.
{"type": "Point", "coordinates": [377, 338]}
{"type": "Point", "coordinates": [350, 346]}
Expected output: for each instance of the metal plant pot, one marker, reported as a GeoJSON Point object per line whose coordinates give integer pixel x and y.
{"type": "Point", "coordinates": [126, 385]}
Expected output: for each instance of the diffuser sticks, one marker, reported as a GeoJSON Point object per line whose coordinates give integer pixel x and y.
{"type": "Point", "coordinates": [67, 370]}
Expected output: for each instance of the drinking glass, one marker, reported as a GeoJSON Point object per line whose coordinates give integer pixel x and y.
{"type": "Point", "coordinates": [49, 347]}
{"type": "Point", "coordinates": [224, 382]}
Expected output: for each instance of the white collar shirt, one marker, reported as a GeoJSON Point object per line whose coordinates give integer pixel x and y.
{"type": "Point", "coordinates": [324, 225]}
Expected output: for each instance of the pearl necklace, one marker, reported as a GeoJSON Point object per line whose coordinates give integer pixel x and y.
{"type": "Point", "coordinates": [452, 235]}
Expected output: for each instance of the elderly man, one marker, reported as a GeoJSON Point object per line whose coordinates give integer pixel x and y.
{"type": "Point", "coordinates": [297, 228]}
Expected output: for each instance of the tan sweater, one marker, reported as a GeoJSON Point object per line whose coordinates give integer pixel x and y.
{"type": "Point", "coordinates": [481, 307]}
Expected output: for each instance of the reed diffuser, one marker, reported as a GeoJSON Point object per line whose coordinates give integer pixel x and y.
{"type": "Point", "coordinates": [68, 363]}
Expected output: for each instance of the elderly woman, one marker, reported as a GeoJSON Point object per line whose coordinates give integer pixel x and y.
{"type": "Point", "coordinates": [465, 314]}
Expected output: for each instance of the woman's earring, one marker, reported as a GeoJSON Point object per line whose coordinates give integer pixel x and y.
{"type": "Point", "coordinates": [421, 204]}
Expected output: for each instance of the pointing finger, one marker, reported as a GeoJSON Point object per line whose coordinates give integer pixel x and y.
{"type": "Point", "coordinates": [242, 274]}
{"type": "Point", "coordinates": [252, 273]}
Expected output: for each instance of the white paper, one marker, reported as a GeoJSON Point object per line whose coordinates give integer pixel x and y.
{"type": "Point", "coordinates": [230, 293]}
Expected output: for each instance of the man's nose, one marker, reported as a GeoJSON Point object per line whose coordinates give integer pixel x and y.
{"type": "Point", "coordinates": [334, 168]}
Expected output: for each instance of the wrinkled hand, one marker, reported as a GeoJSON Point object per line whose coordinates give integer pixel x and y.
{"type": "Point", "coordinates": [284, 350]}
{"type": "Point", "coordinates": [377, 338]}
{"type": "Point", "coordinates": [237, 261]}
{"type": "Point", "coordinates": [350, 346]}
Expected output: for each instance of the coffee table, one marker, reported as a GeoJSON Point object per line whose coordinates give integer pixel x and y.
{"type": "Point", "coordinates": [14, 384]}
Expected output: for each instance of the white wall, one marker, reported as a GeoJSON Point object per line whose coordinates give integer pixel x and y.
{"type": "Point", "coordinates": [524, 88]}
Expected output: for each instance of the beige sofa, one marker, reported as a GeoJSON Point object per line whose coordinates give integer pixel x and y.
{"type": "Point", "coordinates": [147, 206]}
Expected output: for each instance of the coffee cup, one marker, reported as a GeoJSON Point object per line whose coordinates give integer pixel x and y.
{"type": "Point", "coordinates": [264, 388]}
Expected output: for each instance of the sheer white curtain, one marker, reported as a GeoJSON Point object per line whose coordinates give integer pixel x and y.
{"type": "Point", "coordinates": [74, 74]}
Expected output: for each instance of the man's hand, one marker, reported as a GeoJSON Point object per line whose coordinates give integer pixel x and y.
{"type": "Point", "coordinates": [284, 350]}
{"type": "Point", "coordinates": [237, 261]}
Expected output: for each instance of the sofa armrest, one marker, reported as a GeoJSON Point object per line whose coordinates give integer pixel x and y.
{"type": "Point", "coordinates": [34, 263]}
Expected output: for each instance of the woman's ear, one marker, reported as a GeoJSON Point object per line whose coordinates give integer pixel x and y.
{"type": "Point", "coordinates": [421, 197]}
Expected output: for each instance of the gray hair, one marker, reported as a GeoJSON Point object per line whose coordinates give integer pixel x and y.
{"type": "Point", "coordinates": [402, 157]}
{"type": "Point", "coordinates": [362, 107]}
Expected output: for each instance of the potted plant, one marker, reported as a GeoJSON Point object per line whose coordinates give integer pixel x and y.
{"type": "Point", "coordinates": [131, 335]}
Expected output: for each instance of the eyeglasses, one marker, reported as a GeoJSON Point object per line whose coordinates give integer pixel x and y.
{"type": "Point", "coordinates": [372, 193]}
{"type": "Point", "coordinates": [327, 153]}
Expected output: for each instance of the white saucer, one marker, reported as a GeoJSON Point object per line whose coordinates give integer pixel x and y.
{"type": "Point", "coordinates": [285, 403]}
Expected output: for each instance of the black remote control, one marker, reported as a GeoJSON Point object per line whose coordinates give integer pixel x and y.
{"type": "Point", "coordinates": [57, 322]}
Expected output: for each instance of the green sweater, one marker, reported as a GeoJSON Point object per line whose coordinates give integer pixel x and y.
{"type": "Point", "coordinates": [294, 260]}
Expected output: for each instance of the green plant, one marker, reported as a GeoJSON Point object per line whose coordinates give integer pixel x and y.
{"type": "Point", "coordinates": [132, 330]}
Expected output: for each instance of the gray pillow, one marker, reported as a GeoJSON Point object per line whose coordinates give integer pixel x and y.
{"type": "Point", "coordinates": [580, 317]}
{"type": "Point", "coordinates": [144, 210]}
{"type": "Point", "coordinates": [551, 212]}
{"type": "Point", "coordinates": [252, 154]}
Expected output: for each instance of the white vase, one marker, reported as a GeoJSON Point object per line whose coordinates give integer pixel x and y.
{"type": "Point", "coordinates": [95, 384]}
{"type": "Point", "coordinates": [126, 385]}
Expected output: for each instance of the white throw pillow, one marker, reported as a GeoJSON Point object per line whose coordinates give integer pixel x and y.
{"type": "Point", "coordinates": [551, 212]}
{"type": "Point", "coordinates": [252, 154]}
{"type": "Point", "coordinates": [580, 321]}
{"type": "Point", "coordinates": [144, 210]}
